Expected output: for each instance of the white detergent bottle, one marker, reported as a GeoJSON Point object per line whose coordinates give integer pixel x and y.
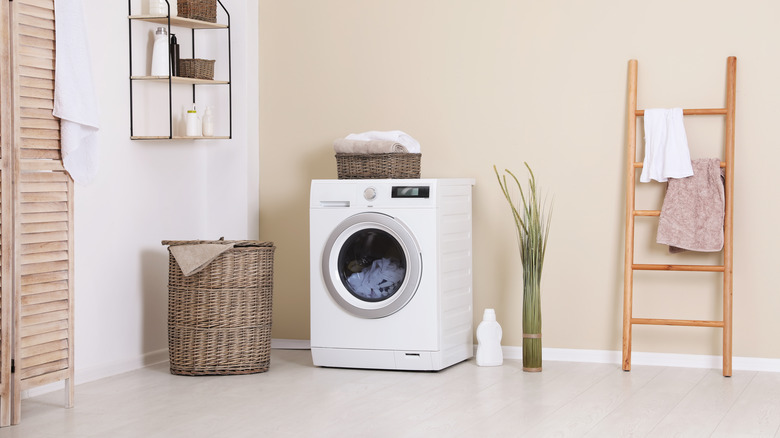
{"type": "Point", "coordinates": [160, 54]}
{"type": "Point", "coordinates": [208, 123]}
{"type": "Point", "coordinates": [489, 341]}
{"type": "Point", "coordinates": [156, 7]}
{"type": "Point", "coordinates": [193, 123]}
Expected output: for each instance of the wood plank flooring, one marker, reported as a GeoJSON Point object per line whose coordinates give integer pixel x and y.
{"type": "Point", "coordinates": [296, 399]}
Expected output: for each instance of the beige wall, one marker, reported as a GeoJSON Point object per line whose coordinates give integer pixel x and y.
{"type": "Point", "coordinates": [502, 82]}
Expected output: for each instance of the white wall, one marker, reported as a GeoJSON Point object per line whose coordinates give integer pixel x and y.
{"type": "Point", "coordinates": [148, 191]}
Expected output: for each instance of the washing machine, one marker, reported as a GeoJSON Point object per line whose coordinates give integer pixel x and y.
{"type": "Point", "coordinates": [391, 273]}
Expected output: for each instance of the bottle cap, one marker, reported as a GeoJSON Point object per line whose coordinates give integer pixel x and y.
{"type": "Point", "coordinates": [489, 315]}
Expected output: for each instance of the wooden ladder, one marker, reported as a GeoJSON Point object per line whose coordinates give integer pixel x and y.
{"type": "Point", "coordinates": [632, 212]}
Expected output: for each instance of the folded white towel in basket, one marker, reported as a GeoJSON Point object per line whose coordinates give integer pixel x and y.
{"type": "Point", "coordinates": [411, 145]}
{"type": "Point", "coordinates": [344, 146]}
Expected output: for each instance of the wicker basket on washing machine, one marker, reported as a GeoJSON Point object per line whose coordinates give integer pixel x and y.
{"type": "Point", "coordinates": [374, 166]}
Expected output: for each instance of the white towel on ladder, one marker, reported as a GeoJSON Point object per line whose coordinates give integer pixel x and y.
{"type": "Point", "coordinates": [75, 102]}
{"type": "Point", "coordinates": [666, 146]}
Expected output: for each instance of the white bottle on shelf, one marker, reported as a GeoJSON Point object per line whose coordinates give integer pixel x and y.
{"type": "Point", "coordinates": [156, 7]}
{"type": "Point", "coordinates": [208, 123]}
{"type": "Point", "coordinates": [489, 335]}
{"type": "Point", "coordinates": [160, 53]}
{"type": "Point", "coordinates": [193, 123]}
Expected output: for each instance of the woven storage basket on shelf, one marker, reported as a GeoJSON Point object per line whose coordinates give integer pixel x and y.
{"type": "Point", "coordinates": [203, 10]}
{"type": "Point", "coordinates": [219, 319]}
{"type": "Point", "coordinates": [372, 166]}
{"type": "Point", "coordinates": [196, 68]}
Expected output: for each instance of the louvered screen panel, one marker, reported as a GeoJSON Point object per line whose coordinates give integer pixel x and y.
{"type": "Point", "coordinates": [6, 214]}
{"type": "Point", "coordinates": [43, 210]}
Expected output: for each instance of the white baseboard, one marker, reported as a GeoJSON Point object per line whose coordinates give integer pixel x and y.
{"type": "Point", "coordinates": [653, 359]}
{"type": "Point", "coordinates": [102, 371]}
{"type": "Point", "coordinates": [291, 344]}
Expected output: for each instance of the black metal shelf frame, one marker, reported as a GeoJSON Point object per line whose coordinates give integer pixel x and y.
{"type": "Point", "coordinates": [170, 75]}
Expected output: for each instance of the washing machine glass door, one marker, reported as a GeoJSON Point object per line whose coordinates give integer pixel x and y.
{"type": "Point", "coordinates": [371, 265]}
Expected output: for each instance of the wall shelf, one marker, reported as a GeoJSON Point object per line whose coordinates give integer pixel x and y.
{"type": "Point", "coordinates": [179, 22]}
{"type": "Point", "coordinates": [177, 81]}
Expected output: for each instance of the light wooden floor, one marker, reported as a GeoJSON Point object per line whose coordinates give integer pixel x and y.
{"type": "Point", "coordinates": [295, 399]}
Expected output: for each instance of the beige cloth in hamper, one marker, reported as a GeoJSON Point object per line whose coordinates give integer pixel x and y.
{"type": "Point", "coordinates": [344, 146]}
{"type": "Point", "coordinates": [194, 258]}
{"type": "Point", "coordinates": [693, 210]}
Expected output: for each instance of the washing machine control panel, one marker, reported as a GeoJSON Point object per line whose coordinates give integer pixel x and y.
{"type": "Point", "coordinates": [374, 193]}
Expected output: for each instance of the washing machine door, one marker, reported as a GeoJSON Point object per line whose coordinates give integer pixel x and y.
{"type": "Point", "coordinates": [371, 265]}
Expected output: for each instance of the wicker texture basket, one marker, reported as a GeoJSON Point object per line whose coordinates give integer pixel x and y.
{"type": "Point", "coordinates": [219, 319]}
{"type": "Point", "coordinates": [374, 166]}
{"type": "Point", "coordinates": [196, 68]}
{"type": "Point", "coordinates": [203, 10]}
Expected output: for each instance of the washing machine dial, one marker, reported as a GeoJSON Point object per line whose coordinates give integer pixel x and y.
{"type": "Point", "coordinates": [369, 194]}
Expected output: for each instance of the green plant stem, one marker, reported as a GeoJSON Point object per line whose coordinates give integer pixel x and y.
{"type": "Point", "coordinates": [532, 226]}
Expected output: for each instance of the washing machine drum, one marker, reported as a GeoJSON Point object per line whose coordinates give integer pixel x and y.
{"type": "Point", "coordinates": [371, 265]}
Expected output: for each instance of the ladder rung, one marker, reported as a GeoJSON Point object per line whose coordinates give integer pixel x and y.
{"type": "Point", "coordinates": [639, 165]}
{"type": "Point", "coordinates": [694, 112]}
{"type": "Point", "coordinates": [706, 268]}
{"type": "Point", "coordinates": [647, 212]}
{"type": "Point", "coordinates": [679, 322]}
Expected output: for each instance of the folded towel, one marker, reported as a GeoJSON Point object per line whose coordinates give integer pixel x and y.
{"type": "Point", "coordinates": [693, 210]}
{"type": "Point", "coordinates": [75, 102]}
{"type": "Point", "coordinates": [666, 146]}
{"type": "Point", "coordinates": [344, 146]}
{"type": "Point", "coordinates": [401, 137]}
{"type": "Point", "coordinates": [194, 258]}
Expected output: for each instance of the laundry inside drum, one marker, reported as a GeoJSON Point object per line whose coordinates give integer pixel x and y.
{"type": "Point", "coordinates": [372, 265]}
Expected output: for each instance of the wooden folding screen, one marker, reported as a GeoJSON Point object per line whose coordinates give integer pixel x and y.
{"type": "Point", "coordinates": [632, 212]}
{"type": "Point", "coordinates": [6, 214]}
{"type": "Point", "coordinates": [36, 249]}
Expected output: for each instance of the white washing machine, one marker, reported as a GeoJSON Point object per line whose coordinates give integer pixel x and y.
{"type": "Point", "coordinates": [391, 273]}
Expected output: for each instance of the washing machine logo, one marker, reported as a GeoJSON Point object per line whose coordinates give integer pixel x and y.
{"type": "Point", "coordinates": [371, 265]}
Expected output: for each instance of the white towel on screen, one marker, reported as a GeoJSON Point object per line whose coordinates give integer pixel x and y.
{"type": "Point", "coordinates": [75, 102]}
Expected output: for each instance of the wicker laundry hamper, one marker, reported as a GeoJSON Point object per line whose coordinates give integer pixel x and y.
{"type": "Point", "coordinates": [219, 319]}
{"type": "Point", "coordinates": [374, 166]}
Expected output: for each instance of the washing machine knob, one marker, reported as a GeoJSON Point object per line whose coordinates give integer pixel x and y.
{"type": "Point", "coordinates": [369, 194]}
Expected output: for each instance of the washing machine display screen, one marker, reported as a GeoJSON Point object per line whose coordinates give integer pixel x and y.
{"type": "Point", "coordinates": [372, 265]}
{"type": "Point", "coordinates": [410, 192]}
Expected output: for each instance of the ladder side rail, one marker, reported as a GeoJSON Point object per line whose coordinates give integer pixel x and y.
{"type": "Point", "coordinates": [628, 273]}
{"type": "Point", "coordinates": [728, 223]}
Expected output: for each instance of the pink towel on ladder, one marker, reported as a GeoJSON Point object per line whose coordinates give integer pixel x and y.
{"type": "Point", "coordinates": [693, 210]}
